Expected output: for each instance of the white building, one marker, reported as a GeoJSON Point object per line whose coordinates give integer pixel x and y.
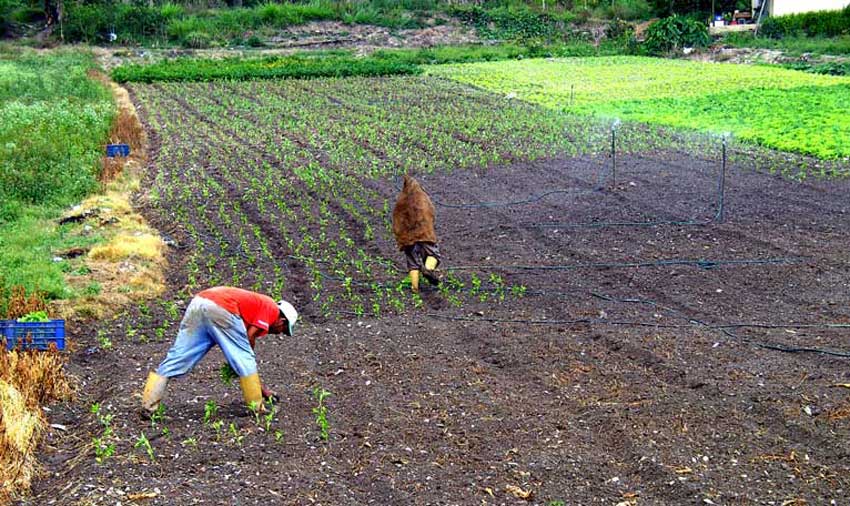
{"type": "Point", "coordinates": [783, 7]}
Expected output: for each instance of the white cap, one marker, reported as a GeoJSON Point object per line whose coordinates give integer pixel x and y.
{"type": "Point", "coordinates": [289, 312]}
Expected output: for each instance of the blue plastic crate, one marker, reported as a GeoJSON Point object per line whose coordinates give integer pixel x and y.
{"type": "Point", "coordinates": [33, 335]}
{"type": "Point", "coordinates": [113, 150]}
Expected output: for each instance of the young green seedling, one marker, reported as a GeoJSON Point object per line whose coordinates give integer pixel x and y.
{"type": "Point", "coordinates": [237, 436]}
{"type": "Point", "coordinates": [210, 410]}
{"type": "Point", "coordinates": [104, 340]}
{"type": "Point", "coordinates": [157, 416]}
{"type": "Point", "coordinates": [143, 442]}
{"type": "Point", "coordinates": [321, 411]}
{"type": "Point", "coordinates": [104, 447]}
{"type": "Point", "coordinates": [227, 374]}
{"type": "Point", "coordinates": [217, 425]}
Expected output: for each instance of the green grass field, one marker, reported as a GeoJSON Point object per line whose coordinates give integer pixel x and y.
{"type": "Point", "coordinates": [54, 121]}
{"type": "Point", "coordinates": [778, 108]}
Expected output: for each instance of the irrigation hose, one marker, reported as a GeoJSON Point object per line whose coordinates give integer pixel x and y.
{"type": "Point", "coordinates": [725, 328]}
{"type": "Point", "coordinates": [596, 321]}
{"type": "Point", "coordinates": [701, 263]}
{"type": "Point", "coordinates": [691, 322]}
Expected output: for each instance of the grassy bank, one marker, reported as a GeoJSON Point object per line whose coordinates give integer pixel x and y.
{"type": "Point", "coordinates": [54, 121]}
{"type": "Point", "coordinates": [196, 25]}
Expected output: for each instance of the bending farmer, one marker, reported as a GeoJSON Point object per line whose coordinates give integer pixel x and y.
{"type": "Point", "coordinates": [233, 319]}
{"type": "Point", "coordinates": [413, 228]}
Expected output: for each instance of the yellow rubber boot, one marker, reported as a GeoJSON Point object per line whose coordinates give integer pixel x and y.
{"type": "Point", "coordinates": [430, 263]}
{"type": "Point", "coordinates": [414, 280]}
{"type": "Point", "coordinates": [154, 391]}
{"type": "Point", "coordinates": [252, 391]}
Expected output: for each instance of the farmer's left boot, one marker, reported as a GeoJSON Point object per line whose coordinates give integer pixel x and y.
{"type": "Point", "coordinates": [154, 391]}
{"type": "Point", "coordinates": [429, 272]}
{"type": "Point", "coordinates": [414, 280]}
{"type": "Point", "coordinates": [252, 392]}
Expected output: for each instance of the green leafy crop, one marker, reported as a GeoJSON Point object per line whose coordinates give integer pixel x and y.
{"type": "Point", "coordinates": [760, 104]}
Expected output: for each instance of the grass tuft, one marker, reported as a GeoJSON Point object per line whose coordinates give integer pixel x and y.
{"type": "Point", "coordinates": [124, 246]}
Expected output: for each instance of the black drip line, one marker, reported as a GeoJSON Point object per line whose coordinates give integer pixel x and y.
{"type": "Point", "coordinates": [692, 322]}
{"type": "Point", "coordinates": [701, 263]}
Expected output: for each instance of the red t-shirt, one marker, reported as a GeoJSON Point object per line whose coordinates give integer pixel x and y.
{"type": "Point", "coordinates": [254, 308]}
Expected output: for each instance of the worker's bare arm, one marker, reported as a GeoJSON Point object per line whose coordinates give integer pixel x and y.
{"type": "Point", "coordinates": [252, 335]}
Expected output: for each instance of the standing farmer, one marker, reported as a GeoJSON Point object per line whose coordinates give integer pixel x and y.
{"type": "Point", "coordinates": [233, 319]}
{"type": "Point", "coordinates": [413, 227]}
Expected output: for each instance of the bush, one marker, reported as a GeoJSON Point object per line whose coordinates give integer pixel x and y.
{"type": "Point", "coordinates": [6, 8]}
{"type": "Point", "coordinates": [675, 32]}
{"type": "Point", "coordinates": [811, 24]}
{"type": "Point", "coordinates": [27, 15]}
{"type": "Point", "coordinates": [619, 29]}
{"type": "Point", "coordinates": [93, 22]}
{"type": "Point", "coordinates": [134, 21]}
{"type": "Point", "coordinates": [179, 29]}
{"type": "Point", "coordinates": [171, 11]}
{"type": "Point", "coordinates": [197, 40]}
{"type": "Point", "coordinates": [627, 9]}
{"type": "Point", "coordinates": [514, 23]}
{"type": "Point", "coordinates": [254, 41]}
{"type": "Point", "coordinates": [86, 23]}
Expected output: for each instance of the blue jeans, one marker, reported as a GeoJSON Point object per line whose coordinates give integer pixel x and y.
{"type": "Point", "coordinates": [204, 325]}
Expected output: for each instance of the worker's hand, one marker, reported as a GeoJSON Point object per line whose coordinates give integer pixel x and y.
{"type": "Point", "coordinates": [270, 396]}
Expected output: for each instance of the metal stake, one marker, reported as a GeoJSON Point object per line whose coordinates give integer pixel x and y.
{"type": "Point", "coordinates": [614, 156]}
{"type": "Point", "coordinates": [721, 191]}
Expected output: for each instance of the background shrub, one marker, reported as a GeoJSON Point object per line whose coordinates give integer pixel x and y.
{"type": "Point", "coordinates": [197, 40]}
{"type": "Point", "coordinates": [675, 32]}
{"type": "Point", "coordinates": [516, 22]}
{"type": "Point", "coordinates": [811, 24]}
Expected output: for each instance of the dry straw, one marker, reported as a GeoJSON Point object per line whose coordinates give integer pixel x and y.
{"type": "Point", "coordinates": [28, 380]}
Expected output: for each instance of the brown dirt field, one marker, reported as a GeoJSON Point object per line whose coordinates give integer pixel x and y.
{"type": "Point", "coordinates": [609, 382]}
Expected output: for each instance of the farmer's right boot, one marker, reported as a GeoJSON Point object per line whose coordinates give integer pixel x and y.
{"type": "Point", "coordinates": [414, 280]}
{"type": "Point", "coordinates": [252, 392]}
{"type": "Point", "coordinates": [430, 263]}
{"type": "Point", "coordinates": [154, 391]}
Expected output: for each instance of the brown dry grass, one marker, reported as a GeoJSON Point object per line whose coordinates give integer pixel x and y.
{"type": "Point", "coordinates": [839, 413]}
{"type": "Point", "coordinates": [19, 302]}
{"type": "Point", "coordinates": [125, 246]}
{"type": "Point", "coordinates": [28, 380]}
{"type": "Point", "coordinates": [126, 129]}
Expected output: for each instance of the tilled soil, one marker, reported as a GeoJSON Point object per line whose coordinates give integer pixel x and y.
{"type": "Point", "coordinates": [608, 382]}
